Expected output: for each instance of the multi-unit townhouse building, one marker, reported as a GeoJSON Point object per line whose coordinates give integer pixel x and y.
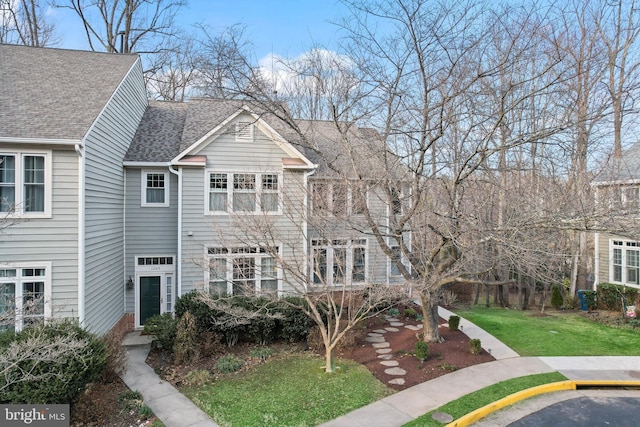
{"type": "Point", "coordinates": [113, 206]}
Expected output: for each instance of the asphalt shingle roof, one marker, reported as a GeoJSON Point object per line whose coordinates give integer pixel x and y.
{"type": "Point", "coordinates": [168, 129]}
{"type": "Point", "coordinates": [55, 93]}
{"type": "Point", "coordinates": [626, 168]}
{"type": "Point", "coordinates": [158, 136]}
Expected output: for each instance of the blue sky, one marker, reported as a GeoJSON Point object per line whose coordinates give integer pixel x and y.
{"type": "Point", "coordinates": [286, 28]}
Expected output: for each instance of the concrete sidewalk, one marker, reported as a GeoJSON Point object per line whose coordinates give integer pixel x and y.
{"type": "Point", "coordinates": [167, 403]}
{"type": "Point", "coordinates": [406, 405]}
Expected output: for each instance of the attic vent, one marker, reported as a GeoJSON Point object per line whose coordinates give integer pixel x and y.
{"type": "Point", "coordinates": [244, 131]}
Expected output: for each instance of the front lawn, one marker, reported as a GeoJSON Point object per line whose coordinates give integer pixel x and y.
{"type": "Point", "coordinates": [289, 390]}
{"type": "Point", "coordinates": [555, 334]}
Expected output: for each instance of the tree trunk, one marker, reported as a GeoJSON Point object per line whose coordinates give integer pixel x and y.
{"type": "Point", "coordinates": [329, 366]}
{"type": "Point", "coordinates": [430, 316]}
{"type": "Point", "coordinates": [486, 296]}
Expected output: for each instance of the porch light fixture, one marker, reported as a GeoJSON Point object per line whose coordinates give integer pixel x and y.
{"type": "Point", "coordinates": [129, 284]}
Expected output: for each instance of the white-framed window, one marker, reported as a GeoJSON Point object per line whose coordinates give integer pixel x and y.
{"type": "Point", "coordinates": [25, 293]}
{"type": "Point", "coordinates": [625, 262]}
{"type": "Point", "coordinates": [244, 131]}
{"type": "Point", "coordinates": [244, 192]}
{"type": "Point", "coordinates": [25, 183]}
{"type": "Point", "coordinates": [619, 197]}
{"type": "Point", "coordinates": [241, 270]}
{"type": "Point", "coordinates": [339, 262]}
{"type": "Point", "coordinates": [155, 188]}
{"type": "Point", "coordinates": [338, 199]}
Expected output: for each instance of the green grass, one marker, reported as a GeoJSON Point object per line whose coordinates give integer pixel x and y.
{"type": "Point", "coordinates": [292, 390]}
{"type": "Point", "coordinates": [562, 334]}
{"type": "Point", "coordinates": [462, 406]}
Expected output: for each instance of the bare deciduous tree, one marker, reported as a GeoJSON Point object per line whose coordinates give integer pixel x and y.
{"type": "Point", "coordinates": [126, 26]}
{"type": "Point", "coordinates": [26, 22]}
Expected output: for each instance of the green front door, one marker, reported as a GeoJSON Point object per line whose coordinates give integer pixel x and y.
{"type": "Point", "coordinates": [149, 297]}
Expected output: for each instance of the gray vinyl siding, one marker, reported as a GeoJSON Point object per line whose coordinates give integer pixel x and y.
{"type": "Point", "coordinates": [227, 155]}
{"type": "Point", "coordinates": [150, 231]}
{"type": "Point", "coordinates": [105, 147]}
{"type": "Point", "coordinates": [54, 239]}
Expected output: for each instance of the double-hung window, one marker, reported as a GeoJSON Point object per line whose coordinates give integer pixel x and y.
{"type": "Point", "coordinates": [25, 183]}
{"type": "Point", "coordinates": [23, 296]}
{"type": "Point", "coordinates": [338, 199]}
{"type": "Point", "coordinates": [345, 259]}
{"type": "Point", "coordinates": [625, 262]}
{"type": "Point", "coordinates": [242, 270]}
{"type": "Point", "coordinates": [244, 192]}
{"type": "Point", "coordinates": [155, 188]}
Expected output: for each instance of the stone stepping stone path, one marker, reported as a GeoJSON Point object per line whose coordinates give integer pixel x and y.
{"type": "Point", "coordinates": [384, 351]}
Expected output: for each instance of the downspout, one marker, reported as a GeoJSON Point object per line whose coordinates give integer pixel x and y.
{"type": "Point", "coordinates": [81, 233]}
{"type": "Point", "coordinates": [305, 224]}
{"type": "Point", "coordinates": [596, 243]}
{"type": "Point", "coordinates": [178, 173]}
{"type": "Point", "coordinates": [124, 241]}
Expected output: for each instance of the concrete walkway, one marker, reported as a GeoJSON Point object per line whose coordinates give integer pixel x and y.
{"type": "Point", "coordinates": [173, 409]}
{"type": "Point", "coordinates": [167, 403]}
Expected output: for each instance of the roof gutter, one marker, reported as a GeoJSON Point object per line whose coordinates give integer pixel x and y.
{"type": "Point", "coordinates": [42, 141]}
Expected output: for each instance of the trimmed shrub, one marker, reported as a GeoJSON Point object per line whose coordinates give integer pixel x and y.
{"type": "Point", "coordinates": [210, 343]}
{"type": "Point", "coordinates": [475, 346]}
{"type": "Point", "coordinates": [197, 378]}
{"type": "Point", "coordinates": [205, 316]}
{"type": "Point", "coordinates": [410, 312]}
{"type": "Point", "coordinates": [164, 327]}
{"type": "Point", "coordinates": [186, 347]}
{"type": "Point", "coordinates": [454, 323]}
{"type": "Point", "coordinates": [294, 325]}
{"type": "Point", "coordinates": [590, 299]}
{"type": "Point", "coordinates": [421, 350]}
{"type": "Point", "coordinates": [262, 353]}
{"type": "Point", "coordinates": [556, 297]}
{"type": "Point", "coordinates": [229, 364]}
{"type": "Point", "coordinates": [61, 359]}
{"type": "Point", "coordinates": [610, 296]}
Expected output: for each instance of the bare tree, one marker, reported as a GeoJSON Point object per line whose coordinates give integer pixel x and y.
{"type": "Point", "coordinates": [127, 26]}
{"type": "Point", "coordinates": [26, 22]}
{"type": "Point", "coordinates": [172, 74]}
{"type": "Point", "coordinates": [254, 252]}
{"type": "Point", "coordinates": [618, 27]}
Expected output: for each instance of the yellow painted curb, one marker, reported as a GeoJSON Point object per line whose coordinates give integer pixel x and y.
{"type": "Point", "coordinates": [480, 413]}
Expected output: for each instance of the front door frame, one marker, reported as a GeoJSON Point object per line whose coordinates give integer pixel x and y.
{"type": "Point", "coordinates": [167, 274]}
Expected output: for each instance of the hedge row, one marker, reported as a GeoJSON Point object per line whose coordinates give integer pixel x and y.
{"type": "Point", "coordinates": [265, 321]}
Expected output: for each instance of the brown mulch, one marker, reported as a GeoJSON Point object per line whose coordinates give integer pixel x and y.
{"type": "Point", "coordinates": [444, 357]}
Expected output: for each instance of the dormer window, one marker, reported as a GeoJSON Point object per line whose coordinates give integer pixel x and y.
{"type": "Point", "coordinates": [244, 131]}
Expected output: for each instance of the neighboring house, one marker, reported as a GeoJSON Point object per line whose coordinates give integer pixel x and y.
{"type": "Point", "coordinates": [617, 256]}
{"type": "Point", "coordinates": [66, 120]}
{"type": "Point", "coordinates": [123, 205]}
